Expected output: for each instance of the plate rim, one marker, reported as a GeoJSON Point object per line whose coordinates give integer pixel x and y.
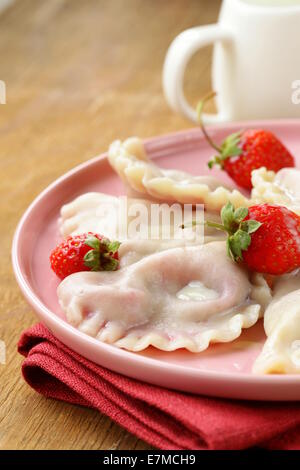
{"type": "Point", "coordinates": [44, 312]}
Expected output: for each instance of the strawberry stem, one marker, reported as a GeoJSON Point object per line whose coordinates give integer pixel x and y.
{"type": "Point", "coordinates": [230, 147]}
{"type": "Point", "coordinates": [200, 107]}
{"type": "Point", "coordinates": [207, 223]}
{"type": "Point", "coordinates": [215, 225]}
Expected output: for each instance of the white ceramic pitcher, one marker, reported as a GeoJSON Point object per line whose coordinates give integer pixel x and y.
{"type": "Point", "coordinates": [256, 61]}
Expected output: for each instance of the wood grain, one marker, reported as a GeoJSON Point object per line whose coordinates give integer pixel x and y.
{"type": "Point", "coordinates": [78, 74]}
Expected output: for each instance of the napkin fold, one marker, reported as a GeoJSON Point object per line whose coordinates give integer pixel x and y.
{"type": "Point", "coordinates": [164, 418]}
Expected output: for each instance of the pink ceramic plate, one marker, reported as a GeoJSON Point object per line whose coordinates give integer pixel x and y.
{"type": "Point", "coordinates": [225, 369]}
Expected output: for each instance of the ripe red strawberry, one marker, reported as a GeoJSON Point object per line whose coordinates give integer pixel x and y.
{"type": "Point", "coordinates": [244, 151]}
{"type": "Point", "coordinates": [266, 237]}
{"type": "Point", "coordinates": [85, 252]}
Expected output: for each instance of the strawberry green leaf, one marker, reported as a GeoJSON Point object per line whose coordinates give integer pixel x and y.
{"type": "Point", "coordinates": [227, 211]}
{"type": "Point", "coordinates": [250, 226]}
{"type": "Point", "coordinates": [92, 260]}
{"type": "Point", "coordinates": [113, 247]}
{"type": "Point", "coordinates": [253, 225]}
{"type": "Point", "coordinates": [240, 214]}
{"type": "Point", "coordinates": [216, 160]}
{"type": "Point", "coordinates": [237, 243]}
{"type": "Point", "coordinates": [89, 256]}
{"type": "Point", "coordinates": [93, 242]}
{"type": "Point", "coordinates": [243, 238]}
{"type": "Point", "coordinates": [100, 258]}
{"type": "Point", "coordinates": [228, 249]}
{"type": "Point", "coordinates": [230, 146]}
{"type": "Point", "coordinates": [227, 216]}
{"type": "Point", "coordinates": [238, 230]}
{"type": "Point", "coordinates": [234, 249]}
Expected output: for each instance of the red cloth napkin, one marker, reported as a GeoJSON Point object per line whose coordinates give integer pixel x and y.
{"type": "Point", "coordinates": [164, 418]}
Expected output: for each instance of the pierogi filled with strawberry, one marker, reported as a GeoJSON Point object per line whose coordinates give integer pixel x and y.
{"type": "Point", "coordinates": [182, 290]}
{"type": "Point", "coordinates": [130, 161]}
{"type": "Point", "coordinates": [180, 298]}
{"type": "Point", "coordinates": [281, 352]}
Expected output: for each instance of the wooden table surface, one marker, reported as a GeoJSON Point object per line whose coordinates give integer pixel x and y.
{"type": "Point", "coordinates": [79, 73]}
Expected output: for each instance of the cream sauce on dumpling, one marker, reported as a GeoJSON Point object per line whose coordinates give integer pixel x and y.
{"type": "Point", "coordinates": [282, 188]}
{"type": "Point", "coordinates": [196, 290]}
{"type": "Point", "coordinates": [288, 180]}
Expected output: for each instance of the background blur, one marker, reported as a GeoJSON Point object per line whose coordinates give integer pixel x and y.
{"type": "Point", "coordinates": [78, 74]}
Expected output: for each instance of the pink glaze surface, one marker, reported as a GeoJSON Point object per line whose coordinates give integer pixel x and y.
{"type": "Point", "coordinates": [223, 370]}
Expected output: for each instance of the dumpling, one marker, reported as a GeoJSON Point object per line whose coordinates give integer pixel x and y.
{"type": "Point", "coordinates": [281, 351]}
{"type": "Point", "coordinates": [130, 161]}
{"type": "Point", "coordinates": [132, 251]}
{"type": "Point", "coordinates": [281, 188]}
{"type": "Point", "coordinates": [180, 298]}
{"type": "Point", "coordinates": [101, 213]}
{"type": "Point", "coordinates": [112, 217]}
